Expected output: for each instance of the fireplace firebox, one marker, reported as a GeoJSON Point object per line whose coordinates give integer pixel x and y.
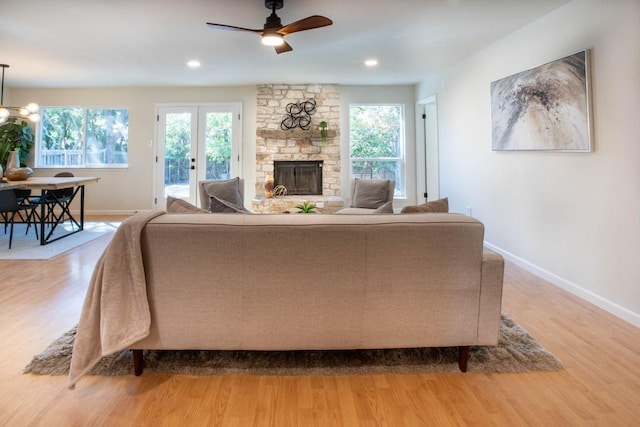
{"type": "Point", "coordinates": [303, 177]}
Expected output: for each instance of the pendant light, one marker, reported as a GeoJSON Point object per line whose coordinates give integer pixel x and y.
{"type": "Point", "coordinates": [29, 111]}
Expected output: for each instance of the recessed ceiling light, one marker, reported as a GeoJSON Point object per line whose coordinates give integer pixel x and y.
{"type": "Point", "coordinates": [371, 62]}
{"type": "Point", "coordinates": [193, 63]}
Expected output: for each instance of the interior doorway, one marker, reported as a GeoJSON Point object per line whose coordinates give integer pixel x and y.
{"type": "Point", "coordinates": [428, 186]}
{"type": "Point", "coordinates": [195, 142]}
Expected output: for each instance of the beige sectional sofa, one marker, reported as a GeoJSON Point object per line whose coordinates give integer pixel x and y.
{"type": "Point", "coordinates": [291, 282]}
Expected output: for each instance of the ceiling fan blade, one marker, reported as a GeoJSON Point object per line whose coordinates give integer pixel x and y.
{"type": "Point", "coordinates": [309, 23]}
{"type": "Point", "coordinates": [232, 28]}
{"type": "Point", "coordinates": [284, 47]}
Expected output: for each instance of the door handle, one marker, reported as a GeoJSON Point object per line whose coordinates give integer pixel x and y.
{"type": "Point", "coordinates": [192, 167]}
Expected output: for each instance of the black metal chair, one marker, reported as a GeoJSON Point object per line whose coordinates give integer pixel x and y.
{"type": "Point", "coordinates": [10, 207]}
{"type": "Point", "coordinates": [22, 196]}
{"type": "Point", "coordinates": [52, 199]}
{"type": "Point", "coordinates": [60, 197]}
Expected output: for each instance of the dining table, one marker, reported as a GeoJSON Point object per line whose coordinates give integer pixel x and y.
{"type": "Point", "coordinates": [53, 209]}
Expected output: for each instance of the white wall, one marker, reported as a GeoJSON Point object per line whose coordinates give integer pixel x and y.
{"type": "Point", "coordinates": [572, 218]}
{"type": "Point", "coordinates": [127, 190]}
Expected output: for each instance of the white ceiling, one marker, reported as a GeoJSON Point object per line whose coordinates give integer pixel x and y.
{"type": "Point", "coordinates": [85, 43]}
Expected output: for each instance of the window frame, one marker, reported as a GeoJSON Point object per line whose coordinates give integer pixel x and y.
{"type": "Point", "coordinates": [39, 133]}
{"type": "Point", "coordinates": [401, 188]}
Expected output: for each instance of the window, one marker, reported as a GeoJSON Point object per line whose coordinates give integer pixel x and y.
{"type": "Point", "coordinates": [82, 137]}
{"type": "Point", "coordinates": [376, 135]}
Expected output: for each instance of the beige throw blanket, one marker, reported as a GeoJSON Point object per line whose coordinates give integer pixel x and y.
{"type": "Point", "coordinates": [115, 313]}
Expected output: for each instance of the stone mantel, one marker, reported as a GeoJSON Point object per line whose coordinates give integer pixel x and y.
{"type": "Point", "coordinates": [294, 134]}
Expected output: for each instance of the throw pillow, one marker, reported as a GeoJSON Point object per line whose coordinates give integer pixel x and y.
{"type": "Point", "coordinates": [219, 205]}
{"type": "Point", "coordinates": [175, 205]}
{"type": "Point", "coordinates": [436, 206]}
{"type": "Point", "coordinates": [227, 189]}
{"type": "Point", "coordinates": [387, 208]}
{"type": "Point", "coordinates": [369, 193]}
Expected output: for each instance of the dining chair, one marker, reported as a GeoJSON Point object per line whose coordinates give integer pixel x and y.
{"type": "Point", "coordinates": [60, 197]}
{"type": "Point", "coordinates": [52, 198]}
{"type": "Point", "coordinates": [10, 207]}
{"type": "Point", "coordinates": [22, 197]}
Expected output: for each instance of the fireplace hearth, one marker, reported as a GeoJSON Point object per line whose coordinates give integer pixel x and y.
{"type": "Point", "coordinates": [299, 177]}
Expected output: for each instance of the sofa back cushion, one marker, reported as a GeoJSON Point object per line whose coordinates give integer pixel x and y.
{"type": "Point", "coordinates": [175, 205]}
{"type": "Point", "coordinates": [267, 281]}
{"type": "Point", "coordinates": [441, 206]}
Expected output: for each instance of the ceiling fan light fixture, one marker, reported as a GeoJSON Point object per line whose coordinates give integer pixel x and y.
{"type": "Point", "coordinates": [272, 39]}
{"type": "Point", "coordinates": [273, 32]}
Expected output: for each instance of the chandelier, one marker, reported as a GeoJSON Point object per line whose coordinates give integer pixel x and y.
{"type": "Point", "coordinates": [29, 111]}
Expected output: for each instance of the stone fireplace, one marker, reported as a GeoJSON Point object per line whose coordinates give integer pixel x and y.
{"type": "Point", "coordinates": [299, 177]}
{"type": "Point", "coordinates": [273, 144]}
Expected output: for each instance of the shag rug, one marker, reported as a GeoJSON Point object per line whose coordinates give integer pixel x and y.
{"type": "Point", "coordinates": [516, 351]}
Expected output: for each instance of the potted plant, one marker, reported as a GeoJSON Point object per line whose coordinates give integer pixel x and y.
{"type": "Point", "coordinates": [15, 136]}
{"type": "Point", "coordinates": [306, 208]}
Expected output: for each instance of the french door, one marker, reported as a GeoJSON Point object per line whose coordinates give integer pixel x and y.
{"type": "Point", "coordinates": [195, 142]}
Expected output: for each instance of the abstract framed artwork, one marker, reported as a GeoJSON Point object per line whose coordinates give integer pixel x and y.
{"type": "Point", "coordinates": [544, 108]}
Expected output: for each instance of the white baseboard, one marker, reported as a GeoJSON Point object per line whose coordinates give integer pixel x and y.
{"type": "Point", "coordinates": [587, 295]}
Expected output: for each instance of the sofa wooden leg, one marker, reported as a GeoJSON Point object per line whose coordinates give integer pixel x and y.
{"type": "Point", "coordinates": [138, 362]}
{"type": "Point", "coordinates": [463, 357]}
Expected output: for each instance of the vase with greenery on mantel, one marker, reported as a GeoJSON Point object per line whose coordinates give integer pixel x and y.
{"type": "Point", "coordinates": [324, 127]}
{"type": "Point", "coordinates": [15, 135]}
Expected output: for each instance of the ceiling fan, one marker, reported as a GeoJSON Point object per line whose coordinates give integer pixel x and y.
{"type": "Point", "coordinates": [273, 32]}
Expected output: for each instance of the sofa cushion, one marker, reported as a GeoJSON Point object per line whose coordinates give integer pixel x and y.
{"type": "Point", "coordinates": [387, 208]}
{"type": "Point", "coordinates": [370, 194]}
{"type": "Point", "coordinates": [439, 206]}
{"type": "Point", "coordinates": [227, 190]}
{"type": "Point", "coordinates": [219, 205]}
{"type": "Point", "coordinates": [175, 205]}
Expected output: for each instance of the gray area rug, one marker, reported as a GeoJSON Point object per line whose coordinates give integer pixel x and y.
{"type": "Point", "coordinates": [517, 351]}
{"type": "Point", "coordinates": [26, 246]}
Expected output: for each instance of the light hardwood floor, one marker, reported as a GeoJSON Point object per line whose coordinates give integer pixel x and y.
{"type": "Point", "coordinates": [600, 385]}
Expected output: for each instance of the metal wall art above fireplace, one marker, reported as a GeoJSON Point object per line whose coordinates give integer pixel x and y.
{"type": "Point", "coordinates": [302, 177]}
